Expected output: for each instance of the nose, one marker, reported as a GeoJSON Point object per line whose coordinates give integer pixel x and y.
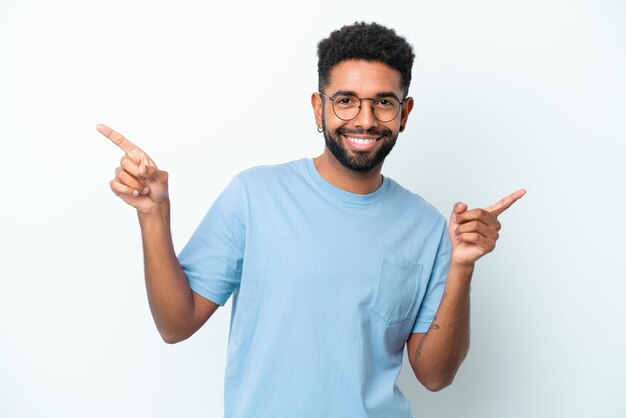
{"type": "Point", "coordinates": [366, 119]}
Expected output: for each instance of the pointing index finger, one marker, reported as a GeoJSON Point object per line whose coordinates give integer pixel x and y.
{"type": "Point", "coordinates": [505, 203]}
{"type": "Point", "coordinates": [117, 138]}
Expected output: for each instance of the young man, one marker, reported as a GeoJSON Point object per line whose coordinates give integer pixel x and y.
{"type": "Point", "coordinates": [332, 267]}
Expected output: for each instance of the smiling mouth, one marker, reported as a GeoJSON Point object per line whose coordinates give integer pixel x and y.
{"type": "Point", "coordinates": [360, 143]}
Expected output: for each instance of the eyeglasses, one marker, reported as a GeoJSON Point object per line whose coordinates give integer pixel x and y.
{"type": "Point", "coordinates": [348, 106]}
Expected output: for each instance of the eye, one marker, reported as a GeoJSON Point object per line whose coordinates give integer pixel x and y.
{"type": "Point", "coordinates": [385, 103]}
{"type": "Point", "coordinates": [346, 101]}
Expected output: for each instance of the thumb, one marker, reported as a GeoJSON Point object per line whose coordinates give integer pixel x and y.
{"type": "Point", "coordinates": [161, 176]}
{"type": "Point", "coordinates": [148, 171]}
{"type": "Point", "coordinates": [458, 208]}
{"type": "Point", "coordinates": [156, 175]}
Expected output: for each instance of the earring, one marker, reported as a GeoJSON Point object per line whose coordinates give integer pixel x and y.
{"type": "Point", "coordinates": [319, 129]}
{"type": "Point", "coordinates": [401, 128]}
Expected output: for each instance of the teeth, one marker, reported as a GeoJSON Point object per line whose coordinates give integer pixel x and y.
{"type": "Point", "coordinates": [360, 141]}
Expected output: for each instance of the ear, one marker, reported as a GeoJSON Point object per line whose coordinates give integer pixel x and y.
{"type": "Point", "coordinates": [316, 103]}
{"type": "Point", "coordinates": [404, 114]}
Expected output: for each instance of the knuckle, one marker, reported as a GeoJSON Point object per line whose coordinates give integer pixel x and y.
{"type": "Point", "coordinates": [121, 174]}
{"type": "Point", "coordinates": [125, 163]}
{"type": "Point", "coordinates": [127, 179]}
{"type": "Point", "coordinates": [129, 165]}
{"type": "Point", "coordinates": [115, 187]}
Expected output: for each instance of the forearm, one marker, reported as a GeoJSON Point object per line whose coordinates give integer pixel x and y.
{"type": "Point", "coordinates": [443, 348]}
{"type": "Point", "coordinates": [437, 355]}
{"type": "Point", "coordinates": [169, 295]}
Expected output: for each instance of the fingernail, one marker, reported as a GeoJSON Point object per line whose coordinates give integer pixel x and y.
{"type": "Point", "coordinates": [142, 169]}
{"type": "Point", "coordinates": [135, 193]}
{"type": "Point", "coordinates": [145, 190]}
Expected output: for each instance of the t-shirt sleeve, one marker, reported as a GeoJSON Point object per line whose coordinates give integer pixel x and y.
{"type": "Point", "coordinates": [436, 283]}
{"type": "Point", "coordinates": [212, 259]}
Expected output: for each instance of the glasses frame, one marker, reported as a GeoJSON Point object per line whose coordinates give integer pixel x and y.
{"type": "Point", "coordinates": [332, 103]}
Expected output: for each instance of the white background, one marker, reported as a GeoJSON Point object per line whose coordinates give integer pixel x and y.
{"type": "Point", "coordinates": [508, 95]}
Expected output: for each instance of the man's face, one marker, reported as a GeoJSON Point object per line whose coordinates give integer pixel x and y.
{"type": "Point", "coordinates": [361, 144]}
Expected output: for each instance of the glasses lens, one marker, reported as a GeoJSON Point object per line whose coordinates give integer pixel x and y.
{"type": "Point", "coordinates": [386, 109]}
{"type": "Point", "coordinates": [346, 107]}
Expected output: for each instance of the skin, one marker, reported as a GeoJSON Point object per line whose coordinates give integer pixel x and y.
{"type": "Point", "coordinates": [178, 312]}
{"type": "Point", "coordinates": [365, 79]}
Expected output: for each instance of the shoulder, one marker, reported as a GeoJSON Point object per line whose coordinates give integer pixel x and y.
{"type": "Point", "coordinates": [268, 175]}
{"type": "Point", "coordinates": [412, 202]}
{"type": "Point", "coordinates": [270, 171]}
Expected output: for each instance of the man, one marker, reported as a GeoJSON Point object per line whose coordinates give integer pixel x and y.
{"type": "Point", "coordinates": [333, 267]}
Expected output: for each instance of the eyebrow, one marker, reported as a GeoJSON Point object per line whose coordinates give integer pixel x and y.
{"type": "Point", "coordinates": [353, 93]}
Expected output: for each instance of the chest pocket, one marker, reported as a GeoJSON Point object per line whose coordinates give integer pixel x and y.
{"type": "Point", "coordinates": [397, 288]}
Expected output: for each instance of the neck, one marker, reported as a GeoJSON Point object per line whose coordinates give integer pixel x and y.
{"type": "Point", "coordinates": [351, 181]}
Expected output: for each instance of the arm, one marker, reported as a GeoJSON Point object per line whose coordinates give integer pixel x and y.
{"type": "Point", "coordinates": [436, 355]}
{"type": "Point", "coordinates": [178, 312]}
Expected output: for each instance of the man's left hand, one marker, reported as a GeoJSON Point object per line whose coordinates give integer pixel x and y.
{"type": "Point", "coordinates": [474, 232]}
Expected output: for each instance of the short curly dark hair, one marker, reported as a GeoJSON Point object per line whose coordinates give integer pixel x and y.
{"type": "Point", "coordinates": [366, 41]}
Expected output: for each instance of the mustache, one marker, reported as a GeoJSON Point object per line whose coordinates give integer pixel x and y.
{"type": "Point", "coordinates": [377, 132]}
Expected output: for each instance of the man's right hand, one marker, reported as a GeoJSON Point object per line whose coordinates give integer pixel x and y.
{"type": "Point", "coordinates": [137, 181]}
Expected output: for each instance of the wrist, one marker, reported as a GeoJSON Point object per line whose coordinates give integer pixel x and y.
{"type": "Point", "coordinates": [160, 211]}
{"type": "Point", "coordinates": [462, 264]}
{"type": "Point", "coordinates": [463, 269]}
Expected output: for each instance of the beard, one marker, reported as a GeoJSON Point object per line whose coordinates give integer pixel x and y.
{"type": "Point", "coordinates": [359, 161]}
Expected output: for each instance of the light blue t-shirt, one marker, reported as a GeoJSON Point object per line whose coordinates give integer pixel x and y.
{"type": "Point", "coordinates": [327, 287]}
